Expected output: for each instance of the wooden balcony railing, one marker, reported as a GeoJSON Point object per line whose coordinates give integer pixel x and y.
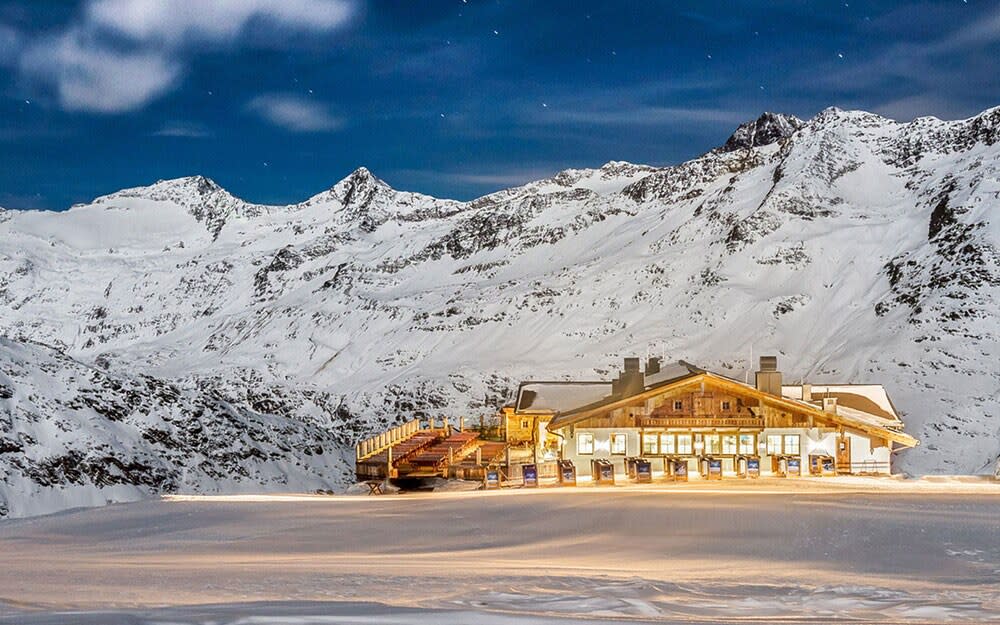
{"type": "Point", "coordinates": [701, 422]}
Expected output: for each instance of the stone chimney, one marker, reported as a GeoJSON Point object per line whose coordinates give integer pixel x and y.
{"type": "Point", "coordinates": [653, 365]}
{"type": "Point", "coordinates": [807, 392]}
{"type": "Point", "coordinates": [830, 405]}
{"type": "Point", "coordinates": [768, 377]}
{"type": "Point", "coordinates": [631, 381]}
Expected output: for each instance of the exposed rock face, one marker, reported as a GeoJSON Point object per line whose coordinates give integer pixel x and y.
{"type": "Point", "coordinates": [767, 129]}
{"type": "Point", "coordinates": [76, 435]}
{"type": "Point", "coordinates": [202, 342]}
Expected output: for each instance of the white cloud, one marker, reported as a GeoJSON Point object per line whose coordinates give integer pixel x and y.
{"type": "Point", "coordinates": [293, 113]}
{"type": "Point", "coordinates": [10, 44]}
{"type": "Point", "coordinates": [118, 55]}
{"type": "Point", "coordinates": [509, 177]}
{"type": "Point", "coordinates": [642, 115]}
{"type": "Point", "coordinates": [182, 129]}
{"type": "Point", "coordinates": [94, 78]}
{"type": "Point", "coordinates": [173, 22]}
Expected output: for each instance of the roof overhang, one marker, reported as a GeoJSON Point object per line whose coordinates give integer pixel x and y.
{"type": "Point", "coordinates": [563, 420]}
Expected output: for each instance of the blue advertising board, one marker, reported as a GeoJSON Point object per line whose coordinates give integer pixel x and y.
{"type": "Point", "coordinates": [567, 473]}
{"type": "Point", "coordinates": [794, 465]}
{"type": "Point", "coordinates": [530, 472]}
{"type": "Point", "coordinates": [715, 468]}
{"type": "Point", "coordinates": [643, 471]}
{"type": "Point", "coordinates": [753, 467]}
{"type": "Point", "coordinates": [681, 470]}
{"type": "Point", "coordinates": [492, 479]}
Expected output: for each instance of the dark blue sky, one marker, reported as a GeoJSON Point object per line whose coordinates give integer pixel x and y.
{"type": "Point", "coordinates": [278, 99]}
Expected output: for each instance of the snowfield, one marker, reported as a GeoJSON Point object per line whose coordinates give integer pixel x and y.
{"type": "Point", "coordinates": [174, 338]}
{"type": "Point", "coordinates": [872, 551]}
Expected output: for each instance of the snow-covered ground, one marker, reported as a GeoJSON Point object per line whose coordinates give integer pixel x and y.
{"type": "Point", "coordinates": [874, 551]}
{"type": "Point", "coordinates": [174, 338]}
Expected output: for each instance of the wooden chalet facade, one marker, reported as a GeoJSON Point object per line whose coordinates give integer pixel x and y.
{"type": "Point", "coordinates": [680, 413]}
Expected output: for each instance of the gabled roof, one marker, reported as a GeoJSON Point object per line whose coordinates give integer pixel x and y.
{"type": "Point", "coordinates": [848, 417]}
{"type": "Point", "coordinates": [556, 396]}
{"type": "Point", "coordinates": [668, 374]}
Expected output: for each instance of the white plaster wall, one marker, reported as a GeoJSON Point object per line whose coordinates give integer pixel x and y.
{"type": "Point", "coordinates": [602, 449]}
{"type": "Point", "coordinates": [811, 441]}
{"type": "Point", "coordinates": [864, 459]}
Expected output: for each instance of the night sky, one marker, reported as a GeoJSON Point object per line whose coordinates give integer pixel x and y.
{"type": "Point", "coordinates": [277, 100]}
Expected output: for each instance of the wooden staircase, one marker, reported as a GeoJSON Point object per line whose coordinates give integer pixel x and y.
{"type": "Point", "coordinates": [412, 451]}
{"type": "Point", "coordinates": [404, 449]}
{"type": "Point", "coordinates": [435, 459]}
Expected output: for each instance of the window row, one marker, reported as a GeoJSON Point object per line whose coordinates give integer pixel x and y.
{"type": "Point", "coordinates": [671, 444]}
{"type": "Point", "coordinates": [585, 444]}
{"type": "Point", "coordinates": [783, 444]}
{"type": "Point", "coordinates": [667, 444]}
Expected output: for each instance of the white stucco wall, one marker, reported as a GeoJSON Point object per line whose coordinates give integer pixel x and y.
{"type": "Point", "coordinates": [866, 460]}
{"type": "Point", "coordinates": [811, 441]}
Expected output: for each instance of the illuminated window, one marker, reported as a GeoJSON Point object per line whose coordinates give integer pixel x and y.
{"type": "Point", "coordinates": [792, 444]}
{"type": "Point", "coordinates": [729, 444]}
{"type": "Point", "coordinates": [725, 405]}
{"type": "Point", "coordinates": [618, 444]}
{"type": "Point", "coordinates": [712, 444]}
{"type": "Point", "coordinates": [668, 445]}
{"type": "Point", "coordinates": [584, 443]}
{"type": "Point", "coordinates": [773, 444]}
{"type": "Point", "coordinates": [684, 444]}
{"type": "Point", "coordinates": [747, 444]}
{"type": "Point", "coordinates": [678, 404]}
{"type": "Point", "coordinates": [649, 446]}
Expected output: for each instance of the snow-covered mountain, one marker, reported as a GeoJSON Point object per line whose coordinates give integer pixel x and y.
{"type": "Point", "coordinates": [855, 247]}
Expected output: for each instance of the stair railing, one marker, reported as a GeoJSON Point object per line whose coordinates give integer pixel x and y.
{"type": "Point", "coordinates": [380, 442]}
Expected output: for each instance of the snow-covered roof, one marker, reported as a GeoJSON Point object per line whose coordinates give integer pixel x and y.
{"type": "Point", "coordinates": [672, 371]}
{"type": "Point", "coordinates": [868, 398]}
{"type": "Point", "coordinates": [559, 396]}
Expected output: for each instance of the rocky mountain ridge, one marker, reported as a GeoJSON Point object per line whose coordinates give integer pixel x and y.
{"type": "Point", "coordinates": [857, 248]}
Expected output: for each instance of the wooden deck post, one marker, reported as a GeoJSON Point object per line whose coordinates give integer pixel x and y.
{"type": "Point", "coordinates": [388, 463]}
{"type": "Point", "coordinates": [479, 456]}
{"type": "Point", "coordinates": [461, 424]}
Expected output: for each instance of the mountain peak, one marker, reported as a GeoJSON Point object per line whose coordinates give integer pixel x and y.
{"type": "Point", "coordinates": [765, 130]}
{"type": "Point", "coordinates": [200, 196]}
{"type": "Point", "coordinates": [357, 190]}
{"type": "Point", "coordinates": [361, 178]}
{"type": "Point", "coordinates": [186, 191]}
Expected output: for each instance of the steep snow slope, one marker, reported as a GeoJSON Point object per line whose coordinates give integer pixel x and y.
{"type": "Point", "coordinates": [72, 435]}
{"type": "Point", "coordinates": [858, 248]}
